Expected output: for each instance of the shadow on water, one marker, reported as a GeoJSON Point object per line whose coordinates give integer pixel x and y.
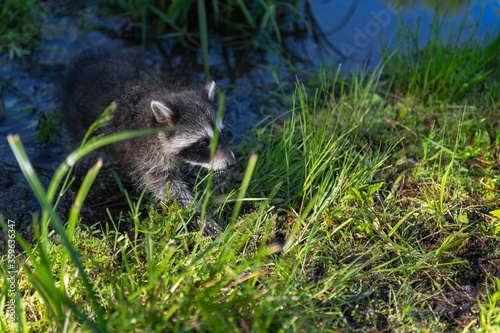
{"type": "Point", "coordinates": [342, 32]}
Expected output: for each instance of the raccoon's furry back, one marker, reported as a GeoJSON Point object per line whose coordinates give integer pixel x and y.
{"type": "Point", "coordinates": [93, 82]}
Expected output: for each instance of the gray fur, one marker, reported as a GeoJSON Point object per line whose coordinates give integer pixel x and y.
{"type": "Point", "coordinates": [144, 100]}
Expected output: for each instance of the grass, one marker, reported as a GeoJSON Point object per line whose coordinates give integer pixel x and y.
{"type": "Point", "coordinates": [450, 66]}
{"type": "Point", "coordinates": [240, 23]}
{"type": "Point", "coordinates": [19, 27]}
{"type": "Point", "coordinates": [372, 204]}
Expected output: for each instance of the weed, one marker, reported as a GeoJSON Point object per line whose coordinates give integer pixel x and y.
{"type": "Point", "coordinates": [49, 127]}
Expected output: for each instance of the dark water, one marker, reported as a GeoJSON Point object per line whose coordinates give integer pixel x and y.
{"type": "Point", "coordinates": [29, 86]}
{"type": "Point", "coordinates": [355, 32]}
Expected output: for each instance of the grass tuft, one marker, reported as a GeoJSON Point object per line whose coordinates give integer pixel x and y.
{"type": "Point", "coordinates": [20, 26]}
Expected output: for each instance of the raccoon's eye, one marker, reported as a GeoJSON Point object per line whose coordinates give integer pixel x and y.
{"type": "Point", "coordinates": [204, 143]}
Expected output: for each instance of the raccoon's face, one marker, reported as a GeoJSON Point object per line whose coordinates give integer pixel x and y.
{"type": "Point", "coordinates": [191, 142]}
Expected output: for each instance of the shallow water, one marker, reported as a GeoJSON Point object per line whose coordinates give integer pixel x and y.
{"type": "Point", "coordinates": [358, 30]}
{"type": "Point", "coordinates": [29, 86]}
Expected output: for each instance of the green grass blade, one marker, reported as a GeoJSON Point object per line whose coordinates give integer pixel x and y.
{"type": "Point", "coordinates": [244, 185]}
{"type": "Point", "coordinates": [37, 188]}
{"type": "Point", "coordinates": [80, 197]}
{"type": "Point", "coordinates": [202, 21]}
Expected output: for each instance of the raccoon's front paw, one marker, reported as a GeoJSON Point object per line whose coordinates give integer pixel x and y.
{"type": "Point", "coordinates": [211, 226]}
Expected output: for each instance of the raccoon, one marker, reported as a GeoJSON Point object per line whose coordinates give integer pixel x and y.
{"type": "Point", "coordinates": [144, 99]}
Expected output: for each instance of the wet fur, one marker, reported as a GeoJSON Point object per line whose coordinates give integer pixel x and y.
{"type": "Point", "coordinates": [95, 81]}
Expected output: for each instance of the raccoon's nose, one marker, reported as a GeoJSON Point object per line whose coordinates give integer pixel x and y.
{"type": "Point", "coordinates": [231, 161]}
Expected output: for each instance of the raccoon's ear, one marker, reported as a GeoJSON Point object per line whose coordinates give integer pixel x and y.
{"type": "Point", "coordinates": [209, 90]}
{"type": "Point", "coordinates": [162, 113]}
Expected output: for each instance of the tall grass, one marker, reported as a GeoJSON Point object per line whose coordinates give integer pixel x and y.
{"type": "Point", "coordinates": [40, 271]}
{"type": "Point", "coordinates": [318, 158]}
{"type": "Point", "coordinates": [450, 63]}
{"type": "Point", "coordinates": [240, 23]}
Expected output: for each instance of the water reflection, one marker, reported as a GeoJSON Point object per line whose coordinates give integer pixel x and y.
{"type": "Point", "coordinates": [358, 29]}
